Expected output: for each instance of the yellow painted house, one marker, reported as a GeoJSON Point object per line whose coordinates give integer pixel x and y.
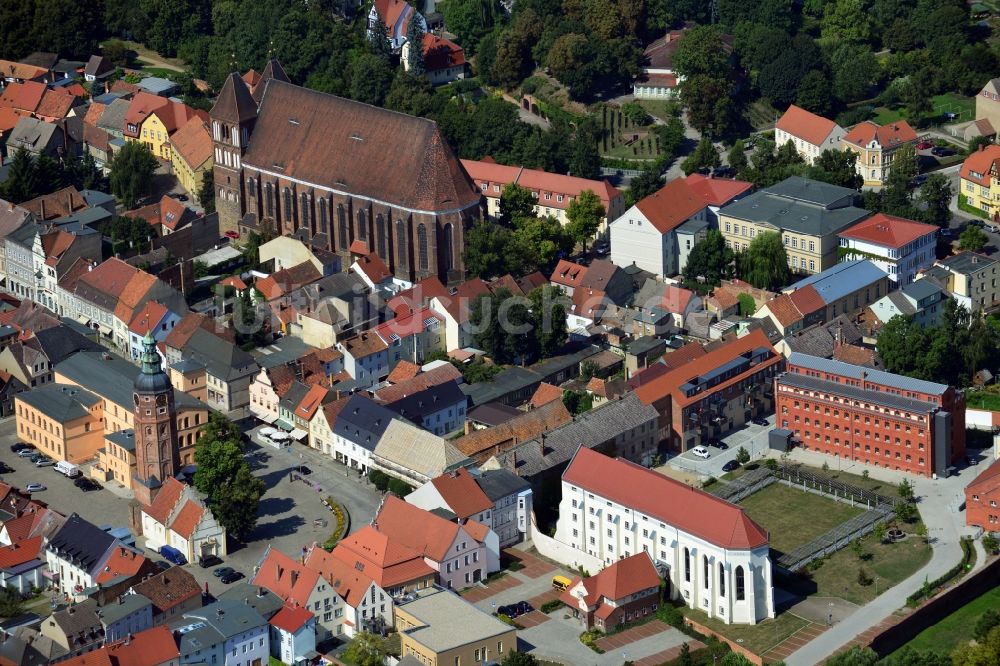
{"type": "Point", "coordinates": [980, 176]}
{"type": "Point", "coordinates": [156, 136]}
{"type": "Point", "coordinates": [152, 120]}
{"type": "Point", "coordinates": [191, 154]}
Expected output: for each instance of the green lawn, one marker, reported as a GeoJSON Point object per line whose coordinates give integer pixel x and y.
{"type": "Point", "coordinates": [885, 115]}
{"type": "Point", "coordinates": [160, 72]}
{"type": "Point", "coordinates": [982, 400]}
{"type": "Point", "coordinates": [891, 563]}
{"type": "Point", "coordinates": [964, 106]}
{"type": "Point", "coordinates": [658, 108]}
{"type": "Point", "coordinates": [794, 517]}
{"type": "Point", "coordinates": [955, 629]}
{"type": "Point", "coordinates": [758, 638]}
{"type": "Point", "coordinates": [859, 480]}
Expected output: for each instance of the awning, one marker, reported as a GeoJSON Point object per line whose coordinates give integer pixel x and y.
{"type": "Point", "coordinates": [284, 425]}
{"type": "Point", "coordinates": [51, 575]}
{"type": "Point", "coordinates": [104, 329]}
{"type": "Point", "coordinates": [268, 418]}
{"type": "Point", "coordinates": [83, 319]}
{"type": "Point", "coordinates": [298, 435]}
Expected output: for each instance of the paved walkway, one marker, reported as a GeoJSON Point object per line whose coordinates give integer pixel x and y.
{"type": "Point", "coordinates": [628, 636]}
{"type": "Point", "coordinates": [938, 501]}
{"type": "Point", "coordinates": [667, 655]}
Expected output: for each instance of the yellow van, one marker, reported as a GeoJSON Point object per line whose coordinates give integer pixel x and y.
{"type": "Point", "coordinates": [561, 582]}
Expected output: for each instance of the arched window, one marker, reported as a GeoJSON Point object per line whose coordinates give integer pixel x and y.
{"type": "Point", "coordinates": [287, 196]}
{"type": "Point", "coordinates": [422, 246]}
{"type": "Point", "coordinates": [323, 215]}
{"type": "Point", "coordinates": [705, 569]}
{"type": "Point", "coordinates": [381, 238]}
{"type": "Point", "coordinates": [304, 210]}
{"type": "Point", "coordinates": [362, 226]}
{"type": "Point", "coordinates": [401, 244]}
{"type": "Point", "coordinates": [740, 591]}
{"type": "Point", "coordinates": [449, 247]}
{"type": "Point", "coordinates": [345, 236]}
{"type": "Point", "coordinates": [687, 565]}
{"type": "Point", "coordinates": [722, 580]}
{"type": "Point", "coordinates": [269, 200]}
{"type": "Point", "coordinates": [252, 188]}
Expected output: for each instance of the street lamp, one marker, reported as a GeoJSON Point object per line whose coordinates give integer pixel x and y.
{"type": "Point", "coordinates": [876, 586]}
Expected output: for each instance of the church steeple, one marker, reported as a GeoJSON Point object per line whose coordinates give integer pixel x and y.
{"type": "Point", "coordinates": [150, 357]}
{"type": "Point", "coordinates": [155, 425]}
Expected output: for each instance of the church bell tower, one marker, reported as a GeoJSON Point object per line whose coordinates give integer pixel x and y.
{"type": "Point", "coordinates": [155, 424]}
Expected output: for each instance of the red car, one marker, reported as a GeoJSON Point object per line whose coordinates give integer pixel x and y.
{"type": "Point", "coordinates": [232, 234]}
{"type": "Point", "coordinates": [924, 145]}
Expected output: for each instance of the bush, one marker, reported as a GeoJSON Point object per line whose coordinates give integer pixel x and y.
{"type": "Point", "coordinates": [589, 639]}
{"type": "Point", "coordinates": [990, 543]}
{"type": "Point", "coordinates": [379, 479]}
{"type": "Point", "coordinates": [400, 488]}
{"type": "Point", "coordinates": [968, 554]}
{"type": "Point", "coordinates": [552, 605]}
{"type": "Point", "coordinates": [338, 531]}
{"type": "Point", "coordinates": [670, 615]}
{"type": "Point", "coordinates": [863, 578]}
{"type": "Point", "coordinates": [771, 464]}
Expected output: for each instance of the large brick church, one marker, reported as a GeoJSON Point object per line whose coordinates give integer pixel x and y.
{"type": "Point", "coordinates": [340, 175]}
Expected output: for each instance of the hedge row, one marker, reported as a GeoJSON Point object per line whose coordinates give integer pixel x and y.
{"type": "Point", "coordinates": [968, 554]}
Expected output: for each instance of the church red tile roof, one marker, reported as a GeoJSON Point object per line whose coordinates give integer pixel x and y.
{"type": "Point", "coordinates": [688, 509]}
{"type": "Point", "coordinates": [350, 146]}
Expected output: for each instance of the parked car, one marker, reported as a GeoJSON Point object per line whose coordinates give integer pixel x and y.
{"type": "Point", "coordinates": [45, 462]}
{"type": "Point", "coordinates": [209, 561]}
{"type": "Point", "coordinates": [223, 571]}
{"type": "Point", "coordinates": [173, 555]}
{"type": "Point", "coordinates": [701, 452]}
{"type": "Point", "coordinates": [924, 145]}
{"type": "Point", "coordinates": [34, 488]}
{"type": "Point", "coordinates": [947, 233]}
{"type": "Point", "coordinates": [182, 197]}
{"type": "Point", "coordinates": [723, 172]}
{"type": "Point", "coordinates": [27, 453]}
{"type": "Point", "coordinates": [86, 484]}
{"type": "Point", "coordinates": [19, 446]}
{"type": "Point", "coordinates": [509, 611]}
{"type": "Point", "coordinates": [524, 607]}
{"type": "Point", "coordinates": [602, 248]}
{"type": "Point", "coordinates": [730, 466]}
{"type": "Point", "coordinates": [722, 446]}
{"type": "Point", "coordinates": [231, 577]}
{"type": "Point", "coordinates": [5, 468]}
{"type": "Point", "coordinates": [304, 469]}
{"type": "Point", "coordinates": [761, 421]}
{"type": "Point", "coordinates": [941, 151]}
{"type": "Point", "coordinates": [232, 234]}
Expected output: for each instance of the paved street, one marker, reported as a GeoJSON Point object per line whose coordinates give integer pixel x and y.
{"type": "Point", "coordinates": [751, 437]}
{"type": "Point", "coordinates": [287, 511]}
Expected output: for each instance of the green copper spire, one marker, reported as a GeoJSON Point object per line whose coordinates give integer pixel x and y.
{"type": "Point", "coordinates": [150, 357]}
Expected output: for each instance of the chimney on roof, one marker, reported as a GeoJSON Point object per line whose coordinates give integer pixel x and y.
{"type": "Point", "coordinates": [260, 591]}
{"type": "Point", "coordinates": [41, 206]}
{"type": "Point", "coordinates": [541, 444]}
{"type": "Point", "coordinates": [295, 576]}
{"type": "Point", "coordinates": [69, 200]}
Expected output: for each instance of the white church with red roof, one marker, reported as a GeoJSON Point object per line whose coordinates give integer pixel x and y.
{"type": "Point", "coordinates": [713, 556]}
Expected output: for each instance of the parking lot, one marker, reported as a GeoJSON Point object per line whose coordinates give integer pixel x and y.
{"type": "Point", "coordinates": [288, 510]}
{"type": "Point", "coordinates": [752, 437]}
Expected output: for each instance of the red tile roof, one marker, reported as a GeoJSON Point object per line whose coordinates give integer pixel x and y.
{"type": "Point", "coordinates": [94, 658]}
{"type": "Point", "coordinates": [671, 205]}
{"type": "Point", "coordinates": [56, 104]}
{"type": "Point", "coordinates": [462, 494]}
{"type": "Point", "coordinates": [291, 618]}
{"type": "Point", "coordinates": [441, 53]}
{"type": "Point", "coordinates": [24, 97]}
{"type": "Point", "coordinates": [165, 501]}
{"type": "Point", "coordinates": [886, 136]}
{"type": "Point", "coordinates": [311, 401]}
{"type": "Point", "coordinates": [146, 319]}
{"type": "Point", "coordinates": [133, 295]}
{"type": "Point", "coordinates": [783, 310]}
{"type": "Point", "coordinates": [978, 166]}
{"type": "Point", "coordinates": [689, 509]}
{"type": "Point", "coordinates": [346, 580]}
{"type": "Point", "coordinates": [387, 561]}
{"type": "Point", "coordinates": [428, 534]}
{"type": "Point", "coordinates": [391, 11]}
{"type": "Point", "coordinates": [544, 394]}
{"type": "Point", "coordinates": [807, 300]}
{"type": "Point", "coordinates": [616, 582]}
{"type": "Point", "coordinates": [21, 552]}
{"type": "Point", "coordinates": [187, 519]}
{"type": "Point", "coordinates": [286, 577]}
{"type": "Point", "coordinates": [490, 173]}
{"type": "Point", "coordinates": [173, 115]}
{"type": "Point", "coordinates": [888, 230]}
{"type": "Point", "coordinates": [404, 370]}
{"type": "Point", "coordinates": [374, 268]}
{"type": "Point", "coordinates": [988, 481]}
{"type": "Point", "coordinates": [568, 273]}
{"type": "Point", "coordinates": [19, 529]}
{"type": "Point", "coordinates": [805, 125]}
{"type": "Point", "coordinates": [417, 296]}
{"type": "Point", "coordinates": [685, 354]}
{"type": "Point", "coordinates": [717, 191]}
{"type": "Point", "coordinates": [442, 374]}
{"type": "Point", "coordinates": [193, 142]}
{"type": "Point", "coordinates": [168, 589]}
{"type": "Point", "coordinates": [146, 648]}
{"type": "Point", "coordinates": [481, 444]}
{"type": "Point", "coordinates": [123, 562]}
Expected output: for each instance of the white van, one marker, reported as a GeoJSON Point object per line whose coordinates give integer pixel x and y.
{"type": "Point", "coordinates": [67, 468]}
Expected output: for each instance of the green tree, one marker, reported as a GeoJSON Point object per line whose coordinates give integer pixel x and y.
{"type": "Point", "coordinates": [585, 214]}
{"type": "Point", "coordinates": [549, 306]}
{"type": "Point", "coordinates": [764, 264]}
{"type": "Point", "coordinates": [814, 93]}
{"type": "Point", "coordinates": [709, 262]}
{"type": "Point", "coordinates": [470, 20]}
{"type": "Point", "coordinates": [985, 624]}
{"type": "Point", "coordinates": [709, 103]}
{"type": "Point", "coordinates": [705, 154]}
{"type": "Point", "coordinates": [879, 532]}
{"type": "Point", "coordinates": [251, 249]}
{"type": "Point", "coordinates": [846, 21]}
{"type": "Point", "coordinates": [742, 456]}
{"type": "Point", "coordinates": [747, 305]}
{"type": "Point", "coordinates": [378, 39]}
{"type": "Point", "coordinates": [536, 243]}
{"type": "Point", "coordinates": [906, 512]}
{"type": "Point", "coordinates": [132, 170]}
{"type": "Point", "coordinates": [905, 490]}
{"type": "Point", "coordinates": [855, 69]}
{"type": "Point", "coordinates": [700, 53]}
{"type": "Point", "coordinates": [371, 77]}
{"type": "Point", "coordinates": [11, 604]}
{"type": "Point", "coordinates": [415, 38]}
{"type": "Point", "coordinates": [514, 658]}
{"type": "Point", "coordinates": [737, 156]}
{"type": "Point", "coordinates": [838, 167]}
{"type": "Point", "coordinates": [236, 504]}
{"type": "Point", "coordinates": [577, 402]}
{"type": "Point", "coordinates": [219, 455]}
{"type": "Point", "coordinates": [645, 183]}
{"type": "Point", "coordinates": [973, 238]}
{"type": "Point", "coordinates": [206, 193]}
{"type": "Point", "coordinates": [858, 549]}
{"type": "Point", "coordinates": [65, 27]}
{"type": "Point", "coordinates": [22, 180]}
{"type": "Point", "coordinates": [936, 195]}
{"type": "Point", "coordinates": [83, 174]}
{"type": "Point", "coordinates": [856, 656]}
{"type": "Point", "coordinates": [366, 649]}
{"type": "Point", "coordinates": [485, 249]}
{"type": "Point", "coordinates": [516, 202]}
{"type": "Point", "coordinates": [990, 543]}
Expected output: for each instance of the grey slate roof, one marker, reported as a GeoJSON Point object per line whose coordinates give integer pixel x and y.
{"type": "Point", "coordinates": [918, 290]}
{"type": "Point", "coordinates": [294, 396]}
{"type": "Point", "coordinates": [900, 382]}
{"type": "Point", "coordinates": [507, 381]}
{"type": "Point", "coordinates": [27, 647]}
{"type": "Point", "coordinates": [646, 344]}
{"type": "Point", "coordinates": [842, 279]}
{"type": "Point", "coordinates": [32, 134]}
{"type": "Point", "coordinates": [780, 207]}
{"type": "Point", "coordinates": [220, 357]}
{"type": "Point", "coordinates": [279, 352]}
{"type": "Point", "coordinates": [416, 405]}
{"type": "Point", "coordinates": [363, 421]}
{"type": "Point", "coordinates": [60, 342]}
{"type": "Point", "coordinates": [500, 483]}
{"type": "Point", "coordinates": [127, 604]}
{"type": "Point", "coordinates": [60, 402]}
{"type": "Point", "coordinates": [901, 302]}
{"type": "Point", "coordinates": [820, 340]}
{"type": "Point", "coordinates": [493, 413]}
{"type": "Point", "coordinates": [261, 599]}
{"type": "Point", "coordinates": [123, 438]}
{"type": "Point", "coordinates": [812, 191]}
{"type": "Point", "coordinates": [590, 429]}
{"type": "Point", "coordinates": [967, 263]}
{"type": "Point", "coordinates": [113, 118]}
{"type": "Point", "coordinates": [112, 378]}
{"type": "Point", "coordinates": [81, 542]}
{"type": "Point", "coordinates": [221, 620]}
{"type": "Point", "coordinates": [877, 397]}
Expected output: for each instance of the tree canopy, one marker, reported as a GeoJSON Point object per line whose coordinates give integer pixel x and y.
{"type": "Point", "coordinates": [764, 264]}
{"type": "Point", "coordinates": [709, 262]}
{"type": "Point", "coordinates": [132, 170]}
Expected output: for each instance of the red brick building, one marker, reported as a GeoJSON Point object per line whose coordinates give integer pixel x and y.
{"type": "Point", "coordinates": [871, 416]}
{"type": "Point", "coordinates": [982, 500]}
{"type": "Point", "coordinates": [714, 392]}
{"type": "Point", "coordinates": [623, 592]}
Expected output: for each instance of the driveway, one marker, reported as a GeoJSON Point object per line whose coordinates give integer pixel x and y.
{"type": "Point", "coordinates": [752, 437]}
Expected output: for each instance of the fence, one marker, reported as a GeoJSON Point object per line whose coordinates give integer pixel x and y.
{"type": "Point", "coordinates": [837, 538]}
{"type": "Point", "coordinates": [744, 486]}
{"type": "Point", "coordinates": [809, 480]}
